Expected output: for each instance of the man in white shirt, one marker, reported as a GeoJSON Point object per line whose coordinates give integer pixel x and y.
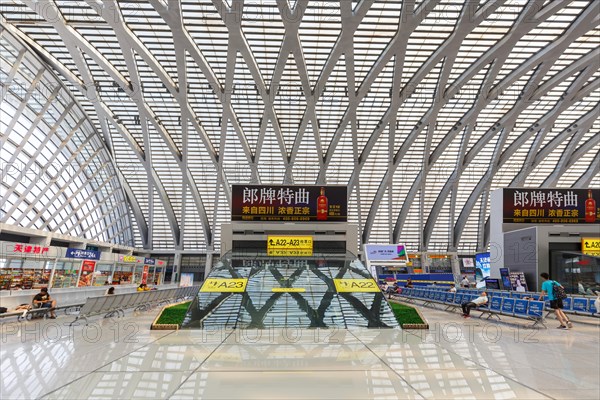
{"type": "Point", "coordinates": [481, 300]}
{"type": "Point", "coordinates": [465, 282]}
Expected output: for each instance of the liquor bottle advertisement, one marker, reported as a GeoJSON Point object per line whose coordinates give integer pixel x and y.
{"type": "Point", "coordinates": [297, 203]}
{"type": "Point", "coordinates": [551, 206]}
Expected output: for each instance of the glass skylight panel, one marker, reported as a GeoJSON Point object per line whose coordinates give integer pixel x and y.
{"type": "Point", "coordinates": [264, 30]}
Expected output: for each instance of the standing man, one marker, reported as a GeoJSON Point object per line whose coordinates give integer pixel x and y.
{"type": "Point", "coordinates": [555, 304]}
{"type": "Point", "coordinates": [466, 307]}
{"type": "Point", "coordinates": [465, 282]}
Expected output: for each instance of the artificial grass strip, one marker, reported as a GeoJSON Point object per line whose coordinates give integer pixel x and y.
{"type": "Point", "coordinates": [174, 314]}
{"type": "Point", "coordinates": [406, 314]}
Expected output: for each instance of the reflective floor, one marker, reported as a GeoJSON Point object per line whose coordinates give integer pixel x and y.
{"type": "Point", "coordinates": [458, 359]}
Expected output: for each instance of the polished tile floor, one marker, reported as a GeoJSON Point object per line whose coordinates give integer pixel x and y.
{"type": "Point", "coordinates": [455, 359]}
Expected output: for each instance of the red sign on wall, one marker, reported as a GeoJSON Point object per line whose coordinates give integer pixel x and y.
{"type": "Point", "coordinates": [29, 249]}
{"type": "Point", "coordinates": [87, 272]}
{"type": "Point", "coordinates": [551, 206]}
{"type": "Point", "coordinates": [289, 203]}
{"type": "Point", "coordinates": [145, 274]}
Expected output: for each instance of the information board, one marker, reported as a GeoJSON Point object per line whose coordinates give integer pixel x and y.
{"type": "Point", "coordinates": [590, 246]}
{"type": "Point", "coordinates": [355, 285]}
{"type": "Point", "coordinates": [232, 285]}
{"type": "Point", "coordinates": [286, 246]}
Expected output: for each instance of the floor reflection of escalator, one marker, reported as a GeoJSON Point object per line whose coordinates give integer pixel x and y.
{"type": "Point", "coordinates": [283, 292]}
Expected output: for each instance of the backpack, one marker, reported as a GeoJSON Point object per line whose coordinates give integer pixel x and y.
{"type": "Point", "coordinates": [558, 291]}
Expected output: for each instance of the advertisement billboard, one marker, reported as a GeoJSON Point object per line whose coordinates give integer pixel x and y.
{"type": "Point", "coordinates": [386, 252]}
{"type": "Point", "coordinates": [86, 274]}
{"type": "Point", "coordinates": [482, 268]}
{"type": "Point", "coordinates": [276, 203]}
{"type": "Point", "coordinates": [551, 206]}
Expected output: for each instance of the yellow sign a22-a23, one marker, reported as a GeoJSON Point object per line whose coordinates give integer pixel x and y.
{"type": "Point", "coordinates": [355, 285]}
{"type": "Point", "coordinates": [289, 245]}
{"type": "Point", "coordinates": [233, 285]}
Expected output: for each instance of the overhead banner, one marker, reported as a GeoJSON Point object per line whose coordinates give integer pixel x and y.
{"type": "Point", "coordinates": [385, 252]}
{"type": "Point", "coordinates": [83, 254]}
{"type": "Point", "coordinates": [551, 206]}
{"type": "Point", "coordinates": [289, 203]}
{"type": "Point", "coordinates": [590, 246]}
{"type": "Point", "coordinates": [289, 246]}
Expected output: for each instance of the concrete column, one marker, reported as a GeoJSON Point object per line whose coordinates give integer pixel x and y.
{"type": "Point", "coordinates": [209, 261]}
{"type": "Point", "coordinates": [176, 268]}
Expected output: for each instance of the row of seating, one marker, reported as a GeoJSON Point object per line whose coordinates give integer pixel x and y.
{"type": "Point", "coordinates": [572, 304]}
{"type": "Point", "coordinates": [498, 305]}
{"type": "Point", "coordinates": [115, 305]}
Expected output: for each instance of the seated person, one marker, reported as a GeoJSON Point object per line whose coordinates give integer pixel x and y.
{"type": "Point", "coordinates": [43, 300]}
{"type": "Point", "coordinates": [409, 283]}
{"type": "Point", "coordinates": [143, 287]}
{"type": "Point", "coordinates": [452, 289]}
{"type": "Point", "coordinates": [481, 300]}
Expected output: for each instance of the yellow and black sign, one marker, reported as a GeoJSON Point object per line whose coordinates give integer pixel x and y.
{"type": "Point", "coordinates": [286, 246]}
{"type": "Point", "coordinates": [355, 285]}
{"type": "Point", "coordinates": [590, 246]}
{"type": "Point", "coordinates": [224, 285]}
{"type": "Point", "coordinates": [288, 290]}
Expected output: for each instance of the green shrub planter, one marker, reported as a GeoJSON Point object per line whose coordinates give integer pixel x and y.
{"type": "Point", "coordinates": [171, 317]}
{"type": "Point", "coordinates": [408, 317]}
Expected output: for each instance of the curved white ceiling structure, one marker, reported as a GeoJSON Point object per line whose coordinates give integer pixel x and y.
{"type": "Point", "coordinates": [57, 174]}
{"type": "Point", "coordinates": [420, 107]}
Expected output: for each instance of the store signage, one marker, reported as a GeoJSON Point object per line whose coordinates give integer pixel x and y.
{"type": "Point", "coordinates": [24, 248]}
{"type": "Point", "coordinates": [224, 285]}
{"type": "Point", "coordinates": [590, 246]}
{"type": "Point", "coordinates": [131, 259]}
{"type": "Point", "coordinates": [386, 252]}
{"type": "Point", "coordinates": [82, 254]}
{"type": "Point", "coordinates": [289, 203]}
{"type": "Point", "coordinates": [288, 290]}
{"type": "Point", "coordinates": [87, 272]}
{"type": "Point", "coordinates": [355, 285]}
{"type": "Point", "coordinates": [551, 206]}
{"type": "Point", "coordinates": [149, 261]}
{"type": "Point", "coordinates": [160, 262]}
{"type": "Point", "coordinates": [289, 246]}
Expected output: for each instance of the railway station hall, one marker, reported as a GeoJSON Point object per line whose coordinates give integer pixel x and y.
{"type": "Point", "coordinates": [300, 199]}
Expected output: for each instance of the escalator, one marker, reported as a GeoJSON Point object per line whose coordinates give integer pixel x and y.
{"type": "Point", "coordinates": [254, 291]}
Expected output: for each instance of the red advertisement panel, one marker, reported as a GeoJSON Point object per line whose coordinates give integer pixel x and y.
{"type": "Point", "coordinates": [289, 203]}
{"type": "Point", "coordinates": [145, 274]}
{"type": "Point", "coordinates": [87, 272]}
{"type": "Point", "coordinates": [551, 206]}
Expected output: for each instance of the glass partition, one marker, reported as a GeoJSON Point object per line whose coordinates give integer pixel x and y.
{"type": "Point", "coordinates": [123, 274]}
{"type": "Point", "coordinates": [577, 272]}
{"type": "Point", "coordinates": [295, 292]}
{"type": "Point", "coordinates": [66, 273]}
{"type": "Point", "coordinates": [102, 274]}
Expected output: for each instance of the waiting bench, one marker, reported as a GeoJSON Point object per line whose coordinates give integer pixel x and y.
{"type": "Point", "coordinates": [497, 304]}
{"type": "Point", "coordinates": [115, 305]}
